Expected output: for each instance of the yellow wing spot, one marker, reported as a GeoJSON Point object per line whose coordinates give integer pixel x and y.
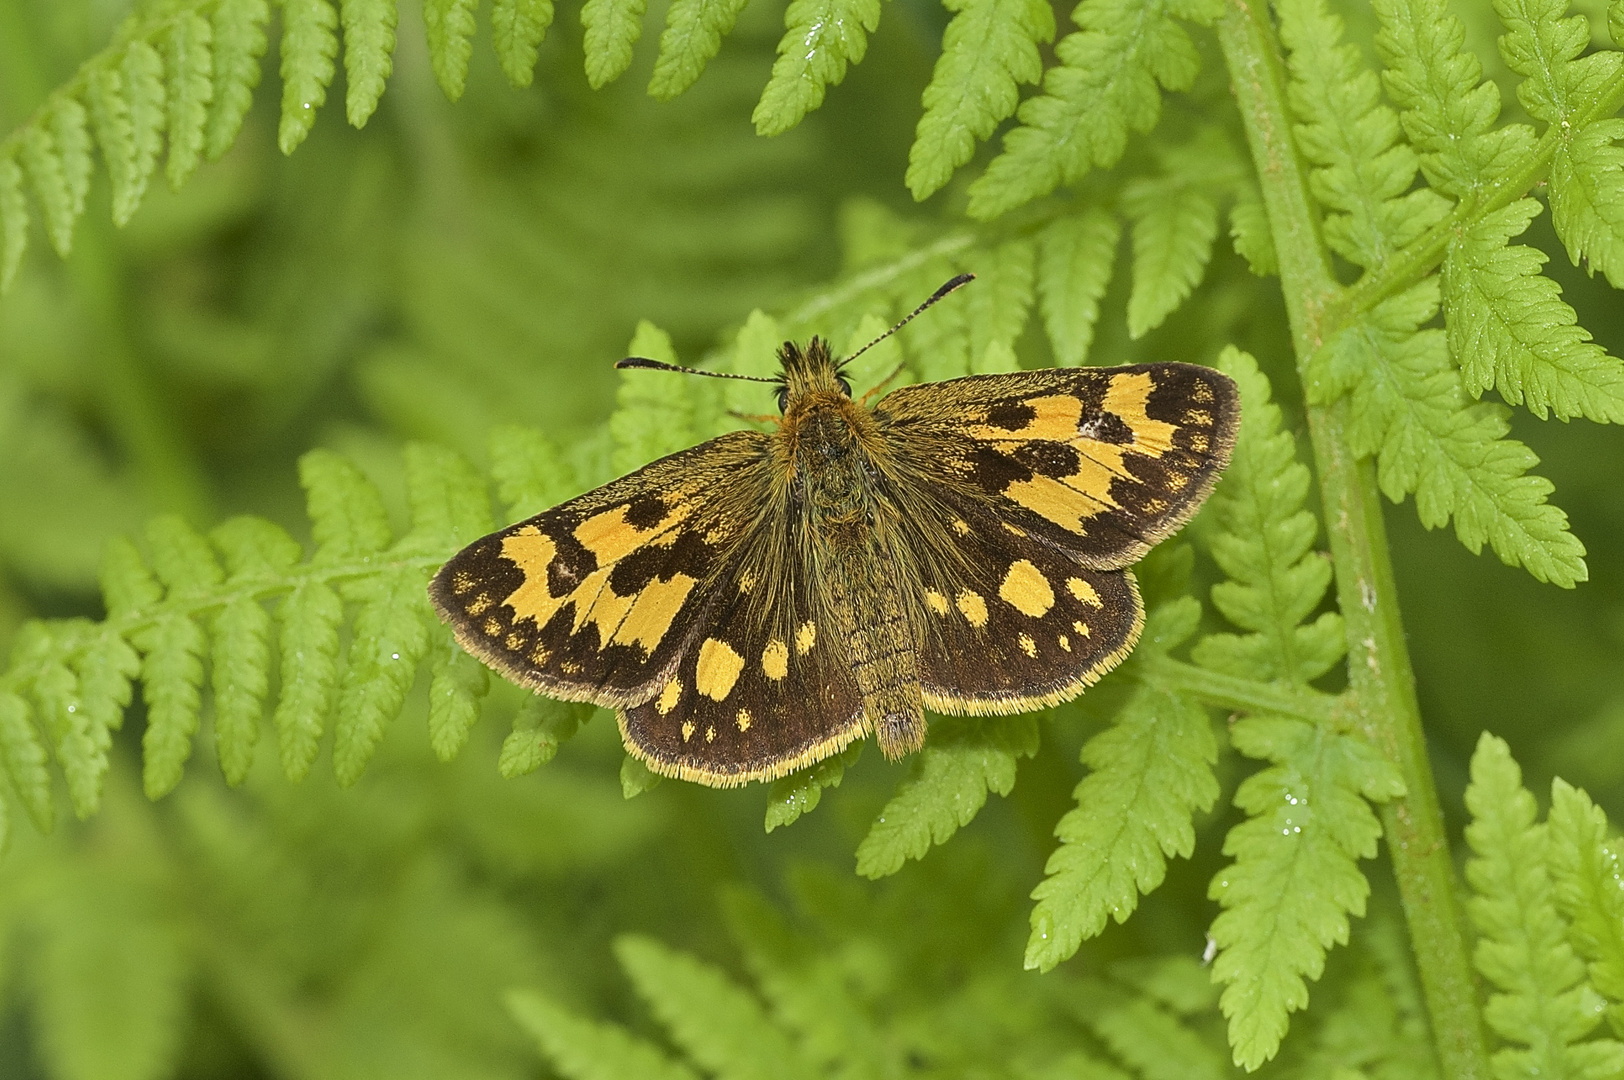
{"type": "Point", "coordinates": [651, 613]}
{"type": "Point", "coordinates": [961, 527]}
{"type": "Point", "coordinates": [710, 732]}
{"type": "Point", "coordinates": [1027, 590]}
{"type": "Point", "coordinates": [610, 537]}
{"type": "Point", "coordinates": [480, 604]}
{"type": "Point", "coordinates": [743, 720]}
{"type": "Point", "coordinates": [1127, 396]}
{"type": "Point", "coordinates": [1198, 417]}
{"type": "Point", "coordinates": [806, 637]}
{"type": "Point", "coordinates": [775, 660]}
{"type": "Point", "coordinates": [1064, 505]}
{"type": "Point", "coordinates": [747, 581]}
{"type": "Point", "coordinates": [1015, 529]}
{"type": "Point", "coordinates": [669, 697]}
{"type": "Point", "coordinates": [1028, 646]}
{"type": "Point", "coordinates": [1065, 642]}
{"type": "Point", "coordinates": [532, 551]}
{"type": "Point", "coordinates": [687, 730]}
{"type": "Point", "coordinates": [1155, 506]}
{"type": "Point", "coordinates": [1081, 628]}
{"type": "Point", "coordinates": [540, 655]}
{"type": "Point", "coordinates": [1199, 443]}
{"type": "Point", "coordinates": [936, 601]}
{"type": "Point", "coordinates": [1055, 417]}
{"type": "Point", "coordinates": [1202, 393]}
{"type": "Point", "coordinates": [1176, 482]}
{"type": "Point", "coordinates": [492, 628]}
{"type": "Point", "coordinates": [718, 669]}
{"type": "Point", "coordinates": [1083, 591]}
{"type": "Point", "coordinates": [461, 582]}
{"type": "Point", "coordinates": [570, 667]}
{"type": "Point", "coordinates": [973, 607]}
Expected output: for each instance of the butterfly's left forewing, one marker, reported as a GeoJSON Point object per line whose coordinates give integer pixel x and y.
{"type": "Point", "coordinates": [595, 599]}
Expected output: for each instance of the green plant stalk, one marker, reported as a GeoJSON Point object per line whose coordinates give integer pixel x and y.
{"type": "Point", "coordinates": [1379, 675]}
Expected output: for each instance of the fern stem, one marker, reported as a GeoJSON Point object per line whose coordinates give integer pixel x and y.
{"type": "Point", "coordinates": [1423, 255]}
{"type": "Point", "coordinates": [1379, 674]}
{"type": "Point", "coordinates": [1251, 696]}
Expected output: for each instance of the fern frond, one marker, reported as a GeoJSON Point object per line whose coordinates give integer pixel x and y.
{"type": "Point", "coordinates": [964, 759]}
{"type": "Point", "coordinates": [1544, 1002]}
{"type": "Point", "coordinates": [583, 1050]}
{"type": "Point", "coordinates": [820, 38]}
{"type": "Point", "coordinates": [1074, 268]}
{"type": "Point", "coordinates": [1149, 773]}
{"type": "Point", "coordinates": [1508, 327]}
{"type": "Point", "coordinates": [189, 62]}
{"type": "Point", "coordinates": [720, 1026]}
{"type": "Point", "coordinates": [1542, 43]}
{"type": "Point", "coordinates": [996, 310]}
{"type": "Point", "coordinates": [694, 30]}
{"type": "Point", "coordinates": [799, 793]}
{"type": "Point", "coordinates": [13, 220]}
{"type": "Point", "coordinates": [1150, 1040]}
{"type": "Point", "coordinates": [239, 44]}
{"type": "Point", "coordinates": [988, 50]}
{"type": "Point", "coordinates": [1409, 407]}
{"type": "Point", "coordinates": [1586, 871]}
{"type": "Point", "coordinates": [310, 619]}
{"type": "Point", "coordinates": [369, 54]}
{"type": "Point", "coordinates": [1249, 232]}
{"type": "Point", "coordinates": [540, 727]}
{"type": "Point", "coordinates": [1587, 197]}
{"type": "Point", "coordinates": [1174, 225]}
{"type": "Point", "coordinates": [309, 46]}
{"type": "Point", "coordinates": [457, 685]}
{"type": "Point", "coordinates": [1108, 83]}
{"type": "Point", "coordinates": [1264, 544]}
{"type": "Point", "coordinates": [517, 29]}
{"type": "Point", "coordinates": [636, 778]}
{"type": "Point", "coordinates": [1447, 108]}
{"type": "Point", "coordinates": [25, 758]}
{"type": "Point", "coordinates": [612, 28]}
{"type": "Point", "coordinates": [449, 25]}
{"type": "Point", "coordinates": [1295, 879]}
{"type": "Point", "coordinates": [808, 987]}
{"type": "Point", "coordinates": [1363, 170]}
{"type": "Point", "coordinates": [56, 153]}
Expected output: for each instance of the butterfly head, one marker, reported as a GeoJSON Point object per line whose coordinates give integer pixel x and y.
{"type": "Point", "coordinates": [809, 377]}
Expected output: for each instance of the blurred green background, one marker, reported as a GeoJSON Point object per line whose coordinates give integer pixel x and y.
{"type": "Point", "coordinates": [452, 267]}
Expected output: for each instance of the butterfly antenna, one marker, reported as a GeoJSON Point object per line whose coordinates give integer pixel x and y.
{"type": "Point", "coordinates": [661, 365]}
{"type": "Point", "coordinates": [962, 279]}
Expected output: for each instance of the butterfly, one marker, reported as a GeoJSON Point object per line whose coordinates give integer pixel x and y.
{"type": "Point", "coordinates": [752, 605]}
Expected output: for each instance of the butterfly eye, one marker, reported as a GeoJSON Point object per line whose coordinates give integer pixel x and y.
{"type": "Point", "coordinates": [845, 387]}
{"type": "Point", "coordinates": [783, 398]}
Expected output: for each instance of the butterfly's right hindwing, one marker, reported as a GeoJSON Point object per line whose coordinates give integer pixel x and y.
{"type": "Point", "coordinates": [594, 599]}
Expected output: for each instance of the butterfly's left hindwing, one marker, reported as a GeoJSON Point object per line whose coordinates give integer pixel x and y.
{"type": "Point", "coordinates": [594, 599]}
{"type": "Point", "coordinates": [761, 691]}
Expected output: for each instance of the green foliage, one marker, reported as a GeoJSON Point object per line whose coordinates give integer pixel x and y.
{"type": "Point", "coordinates": [1545, 1004]}
{"type": "Point", "coordinates": [1149, 774]}
{"type": "Point", "coordinates": [962, 761]}
{"type": "Point", "coordinates": [820, 38]}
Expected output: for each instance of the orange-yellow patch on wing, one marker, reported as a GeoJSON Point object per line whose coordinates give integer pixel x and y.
{"type": "Point", "coordinates": [532, 551]}
{"type": "Point", "coordinates": [650, 616]}
{"type": "Point", "coordinates": [1127, 396]}
{"type": "Point", "coordinates": [1083, 591]}
{"type": "Point", "coordinates": [1059, 503]}
{"type": "Point", "coordinates": [610, 537]}
{"type": "Point", "coordinates": [1055, 417]}
{"type": "Point", "coordinates": [973, 607]}
{"type": "Point", "coordinates": [1027, 590]}
{"type": "Point", "coordinates": [775, 660]}
{"type": "Point", "coordinates": [718, 669]}
{"type": "Point", "coordinates": [668, 697]}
